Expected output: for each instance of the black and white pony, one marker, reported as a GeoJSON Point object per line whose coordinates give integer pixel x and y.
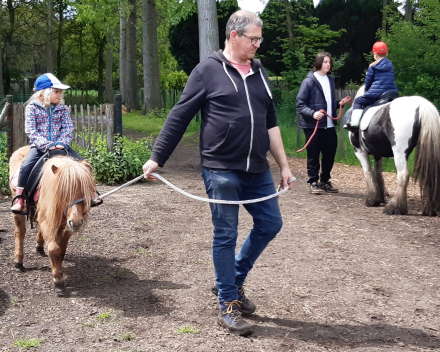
{"type": "Point", "coordinates": [394, 129]}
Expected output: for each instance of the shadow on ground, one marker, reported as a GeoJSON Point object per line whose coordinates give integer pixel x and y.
{"type": "Point", "coordinates": [117, 287]}
{"type": "Point", "coordinates": [372, 335]}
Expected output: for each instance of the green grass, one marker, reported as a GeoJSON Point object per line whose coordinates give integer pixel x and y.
{"type": "Point", "coordinates": [22, 343]}
{"type": "Point", "coordinates": [152, 123]}
{"type": "Point", "coordinates": [186, 330]}
{"type": "Point", "coordinates": [105, 315]}
{"type": "Point", "coordinates": [128, 337]}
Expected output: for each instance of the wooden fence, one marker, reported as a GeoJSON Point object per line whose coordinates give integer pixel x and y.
{"type": "Point", "coordinates": [90, 123]}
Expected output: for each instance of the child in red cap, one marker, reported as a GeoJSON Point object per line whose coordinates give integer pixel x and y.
{"type": "Point", "coordinates": [379, 79]}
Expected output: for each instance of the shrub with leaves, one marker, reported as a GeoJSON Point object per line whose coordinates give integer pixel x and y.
{"type": "Point", "coordinates": [121, 165]}
{"type": "Point", "coordinates": [4, 166]}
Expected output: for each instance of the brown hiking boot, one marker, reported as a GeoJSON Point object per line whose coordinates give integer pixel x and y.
{"type": "Point", "coordinates": [230, 318]}
{"type": "Point", "coordinates": [328, 187]}
{"type": "Point", "coordinates": [246, 305]}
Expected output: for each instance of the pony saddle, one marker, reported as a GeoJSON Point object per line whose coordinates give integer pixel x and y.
{"type": "Point", "coordinates": [31, 191]}
{"type": "Point", "coordinates": [371, 110]}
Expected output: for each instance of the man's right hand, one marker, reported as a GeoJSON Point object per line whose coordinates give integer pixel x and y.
{"type": "Point", "coordinates": [149, 167]}
{"type": "Point", "coordinates": [318, 115]}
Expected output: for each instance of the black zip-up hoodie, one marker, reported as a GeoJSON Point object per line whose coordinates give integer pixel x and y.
{"type": "Point", "coordinates": [237, 113]}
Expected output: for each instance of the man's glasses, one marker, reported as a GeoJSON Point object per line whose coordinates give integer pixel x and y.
{"type": "Point", "coordinates": [253, 39]}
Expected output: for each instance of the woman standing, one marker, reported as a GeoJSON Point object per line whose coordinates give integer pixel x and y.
{"type": "Point", "coordinates": [317, 92]}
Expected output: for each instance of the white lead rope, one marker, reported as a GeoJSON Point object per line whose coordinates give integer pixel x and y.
{"type": "Point", "coordinates": [218, 201]}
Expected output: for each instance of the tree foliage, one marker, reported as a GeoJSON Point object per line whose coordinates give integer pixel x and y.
{"type": "Point", "coordinates": [414, 49]}
{"type": "Point", "coordinates": [184, 41]}
{"type": "Point", "coordinates": [361, 20]}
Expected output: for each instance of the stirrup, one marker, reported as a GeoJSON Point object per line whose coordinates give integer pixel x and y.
{"type": "Point", "coordinates": [20, 212]}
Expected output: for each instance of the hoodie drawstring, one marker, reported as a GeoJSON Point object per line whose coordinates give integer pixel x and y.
{"type": "Point", "coordinates": [265, 84]}
{"type": "Point", "coordinates": [227, 73]}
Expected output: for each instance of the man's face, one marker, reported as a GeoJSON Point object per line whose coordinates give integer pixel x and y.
{"type": "Point", "coordinates": [245, 48]}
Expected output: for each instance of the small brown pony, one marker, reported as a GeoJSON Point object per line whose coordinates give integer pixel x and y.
{"type": "Point", "coordinates": [66, 192]}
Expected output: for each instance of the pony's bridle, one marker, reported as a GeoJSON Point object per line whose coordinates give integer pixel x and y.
{"type": "Point", "coordinates": [95, 203]}
{"type": "Point", "coordinates": [72, 204]}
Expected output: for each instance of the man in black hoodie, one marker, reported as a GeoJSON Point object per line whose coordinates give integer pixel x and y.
{"type": "Point", "coordinates": [239, 126]}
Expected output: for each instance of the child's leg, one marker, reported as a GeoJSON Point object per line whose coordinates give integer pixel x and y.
{"type": "Point", "coordinates": [28, 164]}
{"type": "Point", "coordinates": [31, 159]}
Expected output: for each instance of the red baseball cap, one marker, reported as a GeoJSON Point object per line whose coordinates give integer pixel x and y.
{"type": "Point", "coordinates": [380, 48]}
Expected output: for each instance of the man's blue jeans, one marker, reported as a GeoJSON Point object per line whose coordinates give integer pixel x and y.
{"type": "Point", "coordinates": [231, 270]}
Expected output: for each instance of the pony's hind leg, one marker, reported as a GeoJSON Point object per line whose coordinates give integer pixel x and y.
{"type": "Point", "coordinates": [378, 162]}
{"type": "Point", "coordinates": [373, 193]}
{"type": "Point", "coordinates": [19, 233]}
{"type": "Point", "coordinates": [40, 243]}
{"type": "Point", "coordinates": [398, 204]}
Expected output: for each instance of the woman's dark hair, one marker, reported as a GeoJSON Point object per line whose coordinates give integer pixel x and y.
{"type": "Point", "coordinates": [320, 59]}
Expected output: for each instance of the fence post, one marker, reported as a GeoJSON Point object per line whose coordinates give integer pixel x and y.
{"type": "Point", "coordinates": [341, 139]}
{"type": "Point", "coordinates": [110, 128]}
{"type": "Point", "coordinates": [10, 121]}
{"type": "Point", "coordinates": [298, 133]}
{"type": "Point", "coordinates": [118, 115]}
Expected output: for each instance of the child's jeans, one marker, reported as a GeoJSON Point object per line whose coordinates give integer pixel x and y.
{"type": "Point", "coordinates": [363, 102]}
{"type": "Point", "coordinates": [32, 158]}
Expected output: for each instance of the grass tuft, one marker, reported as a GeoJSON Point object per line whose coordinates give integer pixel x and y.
{"type": "Point", "coordinates": [105, 315]}
{"type": "Point", "coordinates": [22, 343]}
{"type": "Point", "coordinates": [186, 330]}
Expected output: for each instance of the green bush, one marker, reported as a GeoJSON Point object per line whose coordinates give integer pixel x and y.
{"type": "Point", "coordinates": [121, 165]}
{"type": "Point", "coordinates": [4, 166]}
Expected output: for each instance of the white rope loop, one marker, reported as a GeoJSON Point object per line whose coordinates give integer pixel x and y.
{"type": "Point", "coordinates": [217, 201]}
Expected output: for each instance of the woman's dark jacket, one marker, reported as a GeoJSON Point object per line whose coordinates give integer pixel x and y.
{"type": "Point", "coordinates": [380, 79]}
{"type": "Point", "coordinates": [311, 99]}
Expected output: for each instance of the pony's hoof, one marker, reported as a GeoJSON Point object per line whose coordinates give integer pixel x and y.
{"type": "Point", "coordinates": [19, 267]}
{"type": "Point", "coordinates": [60, 288]}
{"type": "Point", "coordinates": [395, 211]}
{"type": "Point", "coordinates": [372, 202]}
{"type": "Point", "coordinates": [40, 251]}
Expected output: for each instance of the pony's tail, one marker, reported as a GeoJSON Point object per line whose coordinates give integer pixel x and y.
{"type": "Point", "coordinates": [427, 160]}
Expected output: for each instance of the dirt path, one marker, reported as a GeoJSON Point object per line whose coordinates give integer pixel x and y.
{"type": "Point", "coordinates": [338, 277]}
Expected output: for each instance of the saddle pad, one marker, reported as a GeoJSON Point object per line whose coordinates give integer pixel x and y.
{"type": "Point", "coordinates": [14, 181]}
{"type": "Point", "coordinates": [368, 115]}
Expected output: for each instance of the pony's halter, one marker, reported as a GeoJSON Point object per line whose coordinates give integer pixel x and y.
{"type": "Point", "coordinates": [72, 204]}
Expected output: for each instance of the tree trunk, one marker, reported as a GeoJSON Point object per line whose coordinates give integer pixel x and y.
{"type": "Point", "coordinates": [8, 45]}
{"type": "Point", "coordinates": [100, 43]}
{"type": "Point", "coordinates": [384, 17]}
{"type": "Point", "coordinates": [49, 59]}
{"type": "Point", "coordinates": [109, 94]}
{"type": "Point", "coordinates": [150, 56]}
{"type": "Point", "coordinates": [132, 87]}
{"type": "Point", "coordinates": [408, 10]}
{"type": "Point", "coordinates": [60, 37]}
{"type": "Point", "coordinates": [2, 90]}
{"type": "Point", "coordinates": [208, 28]}
{"type": "Point", "coordinates": [122, 53]}
{"type": "Point", "coordinates": [289, 25]}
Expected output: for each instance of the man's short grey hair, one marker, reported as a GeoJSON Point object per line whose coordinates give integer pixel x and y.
{"type": "Point", "coordinates": [240, 21]}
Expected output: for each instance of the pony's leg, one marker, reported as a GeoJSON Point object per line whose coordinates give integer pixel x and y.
{"type": "Point", "coordinates": [373, 195]}
{"type": "Point", "coordinates": [398, 204]}
{"type": "Point", "coordinates": [40, 243]}
{"type": "Point", "coordinates": [19, 233]}
{"type": "Point", "coordinates": [57, 251]}
{"type": "Point", "coordinates": [378, 162]}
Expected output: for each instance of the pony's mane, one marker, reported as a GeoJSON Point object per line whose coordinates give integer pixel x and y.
{"type": "Point", "coordinates": [360, 92]}
{"type": "Point", "coordinates": [58, 190]}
